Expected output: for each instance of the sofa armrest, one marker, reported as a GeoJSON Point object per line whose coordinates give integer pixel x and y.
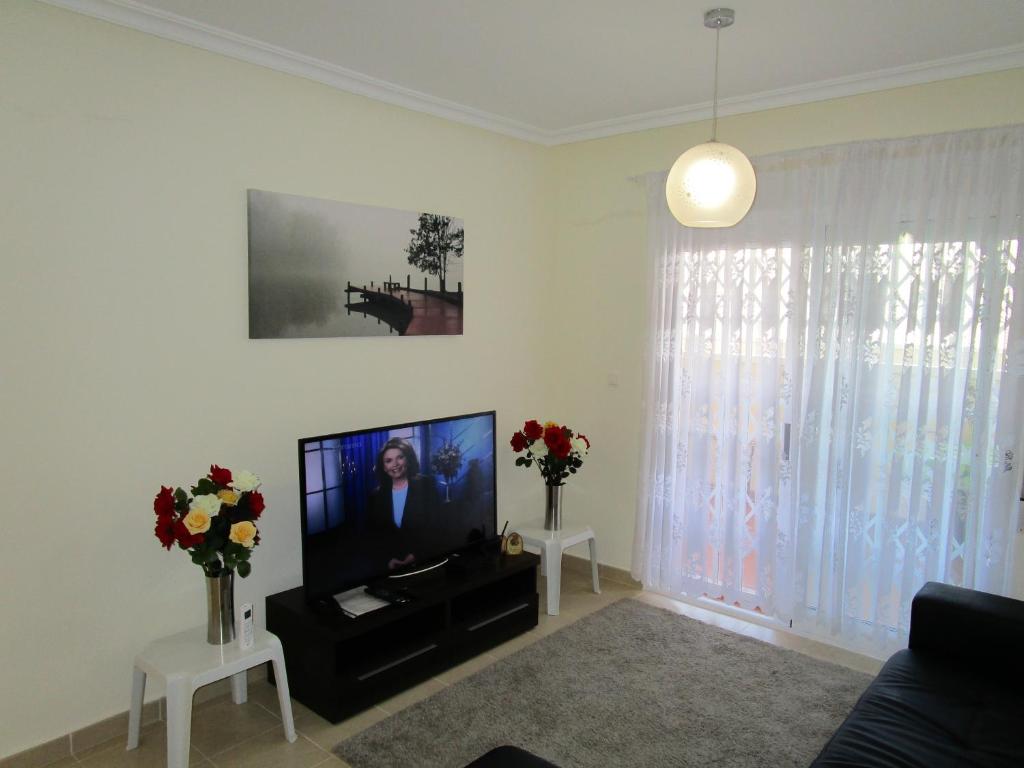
{"type": "Point", "coordinates": [975, 627]}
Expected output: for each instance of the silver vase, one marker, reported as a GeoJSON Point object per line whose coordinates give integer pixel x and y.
{"type": "Point", "coordinates": [552, 507]}
{"type": "Point", "coordinates": [220, 608]}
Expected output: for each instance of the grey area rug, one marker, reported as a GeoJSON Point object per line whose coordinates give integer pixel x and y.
{"type": "Point", "coordinates": [629, 685]}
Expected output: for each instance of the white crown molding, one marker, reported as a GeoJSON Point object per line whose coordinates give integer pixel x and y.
{"type": "Point", "coordinates": [129, 13]}
{"type": "Point", "coordinates": [915, 74]}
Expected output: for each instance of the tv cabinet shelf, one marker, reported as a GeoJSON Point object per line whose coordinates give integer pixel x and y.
{"type": "Point", "coordinates": [338, 665]}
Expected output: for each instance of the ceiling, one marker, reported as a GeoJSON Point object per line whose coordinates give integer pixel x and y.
{"type": "Point", "coordinates": [554, 71]}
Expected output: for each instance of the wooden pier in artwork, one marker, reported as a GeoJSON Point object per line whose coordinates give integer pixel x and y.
{"type": "Point", "coordinates": [409, 311]}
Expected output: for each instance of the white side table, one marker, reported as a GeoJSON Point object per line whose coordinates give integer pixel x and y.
{"type": "Point", "coordinates": [186, 662]}
{"type": "Point", "coordinates": [551, 545]}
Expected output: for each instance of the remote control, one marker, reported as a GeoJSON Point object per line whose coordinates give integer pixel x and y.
{"type": "Point", "coordinates": [391, 595]}
{"type": "Point", "coordinates": [245, 632]}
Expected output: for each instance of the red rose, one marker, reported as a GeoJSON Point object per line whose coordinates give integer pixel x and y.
{"type": "Point", "coordinates": [562, 448]}
{"type": "Point", "coordinates": [163, 504]}
{"type": "Point", "coordinates": [256, 505]}
{"type": "Point", "coordinates": [552, 436]}
{"type": "Point", "coordinates": [186, 540]}
{"type": "Point", "coordinates": [219, 475]}
{"type": "Point", "coordinates": [165, 530]}
{"type": "Point", "coordinates": [518, 441]}
{"type": "Point", "coordinates": [532, 429]}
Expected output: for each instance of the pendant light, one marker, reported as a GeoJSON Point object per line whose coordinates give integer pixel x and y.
{"type": "Point", "coordinates": [712, 184]}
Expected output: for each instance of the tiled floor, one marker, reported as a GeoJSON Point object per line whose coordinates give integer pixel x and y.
{"type": "Point", "coordinates": [225, 735]}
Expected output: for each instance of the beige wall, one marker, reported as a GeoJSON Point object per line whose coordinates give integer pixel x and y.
{"type": "Point", "coordinates": [124, 162]}
{"type": "Point", "coordinates": [126, 361]}
{"type": "Point", "coordinates": [601, 266]}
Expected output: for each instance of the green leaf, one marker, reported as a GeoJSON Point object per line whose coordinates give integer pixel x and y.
{"type": "Point", "coordinates": [244, 568]}
{"type": "Point", "coordinates": [180, 500]}
{"type": "Point", "coordinates": [205, 486]}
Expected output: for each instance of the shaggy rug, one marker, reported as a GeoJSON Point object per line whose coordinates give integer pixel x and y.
{"type": "Point", "coordinates": [629, 685]}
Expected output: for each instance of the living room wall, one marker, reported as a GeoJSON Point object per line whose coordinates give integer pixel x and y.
{"type": "Point", "coordinates": [125, 161]}
{"type": "Point", "coordinates": [600, 215]}
{"type": "Point", "coordinates": [126, 361]}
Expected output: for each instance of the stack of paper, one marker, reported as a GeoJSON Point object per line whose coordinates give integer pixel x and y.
{"type": "Point", "coordinates": [355, 602]}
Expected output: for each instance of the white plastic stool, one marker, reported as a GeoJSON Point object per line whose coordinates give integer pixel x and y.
{"type": "Point", "coordinates": [551, 545]}
{"type": "Point", "coordinates": [186, 662]}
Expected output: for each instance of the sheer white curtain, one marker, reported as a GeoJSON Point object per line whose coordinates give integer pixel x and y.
{"type": "Point", "coordinates": [835, 385]}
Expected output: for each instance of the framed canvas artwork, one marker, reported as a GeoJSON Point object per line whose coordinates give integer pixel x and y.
{"type": "Point", "coordinates": [320, 268]}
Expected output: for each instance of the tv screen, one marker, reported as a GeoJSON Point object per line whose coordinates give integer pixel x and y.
{"type": "Point", "coordinates": [391, 500]}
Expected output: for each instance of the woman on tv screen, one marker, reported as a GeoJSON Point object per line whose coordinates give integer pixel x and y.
{"type": "Point", "coordinates": [404, 506]}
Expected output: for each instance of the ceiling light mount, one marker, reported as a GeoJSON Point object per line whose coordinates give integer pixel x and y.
{"type": "Point", "coordinates": [718, 18]}
{"type": "Point", "coordinates": [712, 184]}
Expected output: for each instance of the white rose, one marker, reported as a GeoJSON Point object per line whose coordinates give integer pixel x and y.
{"type": "Point", "coordinates": [208, 503]}
{"type": "Point", "coordinates": [579, 445]}
{"type": "Point", "coordinates": [245, 481]}
{"type": "Point", "coordinates": [538, 448]}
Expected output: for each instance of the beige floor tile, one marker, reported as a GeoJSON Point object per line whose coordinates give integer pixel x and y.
{"type": "Point", "coordinates": [265, 695]}
{"type": "Point", "coordinates": [43, 754]}
{"type": "Point", "coordinates": [271, 750]}
{"type": "Point", "coordinates": [333, 762]}
{"type": "Point", "coordinates": [151, 752]}
{"type": "Point", "coordinates": [63, 762]}
{"type": "Point", "coordinates": [411, 696]}
{"type": "Point", "coordinates": [219, 724]}
{"type": "Point", "coordinates": [326, 734]}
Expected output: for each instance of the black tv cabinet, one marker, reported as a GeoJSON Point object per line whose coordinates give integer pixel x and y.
{"type": "Point", "coordinates": [338, 666]}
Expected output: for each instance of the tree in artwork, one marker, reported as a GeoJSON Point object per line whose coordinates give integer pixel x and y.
{"type": "Point", "coordinates": [434, 242]}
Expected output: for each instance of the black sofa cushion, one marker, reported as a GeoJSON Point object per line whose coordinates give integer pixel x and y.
{"type": "Point", "coordinates": [924, 712]}
{"type": "Point", "coordinates": [510, 757]}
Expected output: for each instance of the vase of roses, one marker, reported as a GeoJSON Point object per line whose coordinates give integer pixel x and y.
{"type": "Point", "coordinates": [216, 524]}
{"type": "Point", "coordinates": [558, 452]}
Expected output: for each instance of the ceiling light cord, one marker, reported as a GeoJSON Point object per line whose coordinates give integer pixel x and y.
{"type": "Point", "coordinates": [714, 101]}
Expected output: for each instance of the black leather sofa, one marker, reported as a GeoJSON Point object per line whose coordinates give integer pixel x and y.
{"type": "Point", "coordinates": [954, 697]}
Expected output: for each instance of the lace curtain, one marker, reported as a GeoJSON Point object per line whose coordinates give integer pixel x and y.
{"type": "Point", "coordinates": [836, 385]}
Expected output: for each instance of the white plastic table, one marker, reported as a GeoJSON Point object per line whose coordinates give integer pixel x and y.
{"type": "Point", "coordinates": [186, 662]}
{"type": "Point", "coordinates": [551, 545]}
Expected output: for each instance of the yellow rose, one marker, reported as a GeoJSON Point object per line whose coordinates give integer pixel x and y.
{"type": "Point", "coordinates": [228, 497]}
{"type": "Point", "coordinates": [243, 533]}
{"type": "Point", "coordinates": [197, 521]}
{"type": "Point", "coordinates": [548, 424]}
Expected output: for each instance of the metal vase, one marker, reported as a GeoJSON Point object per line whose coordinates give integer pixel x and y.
{"type": "Point", "coordinates": [552, 507]}
{"type": "Point", "coordinates": [220, 608]}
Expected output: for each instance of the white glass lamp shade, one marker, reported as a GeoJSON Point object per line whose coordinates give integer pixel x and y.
{"type": "Point", "coordinates": [711, 185]}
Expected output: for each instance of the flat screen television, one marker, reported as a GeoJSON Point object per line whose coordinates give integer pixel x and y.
{"type": "Point", "coordinates": [394, 500]}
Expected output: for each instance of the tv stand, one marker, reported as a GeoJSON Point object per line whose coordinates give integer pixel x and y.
{"type": "Point", "coordinates": [338, 666]}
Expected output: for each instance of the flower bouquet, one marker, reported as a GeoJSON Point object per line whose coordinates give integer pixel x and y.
{"type": "Point", "coordinates": [447, 461]}
{"type": "Point", "coordinates": [216, 524]}
{"type": "Point", "coordinates": [556, 450]}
